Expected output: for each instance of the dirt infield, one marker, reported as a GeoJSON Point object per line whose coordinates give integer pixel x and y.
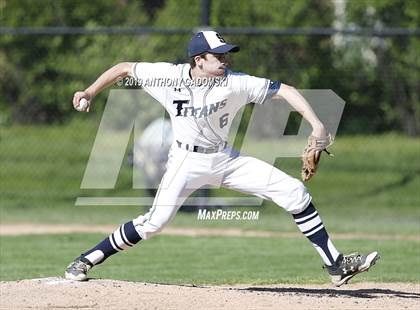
{"type": "Point", "coordinates": [14, 229]}
{"type": "Point", "coordinates": [57, 293]}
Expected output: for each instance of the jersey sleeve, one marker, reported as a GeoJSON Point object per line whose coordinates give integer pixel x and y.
{"type": "Point", "coordinates": [150, 76]}
{"type": "Point", "coordinates": [147, 70]}
{"type": "Point", "coordinates": [258, 90]}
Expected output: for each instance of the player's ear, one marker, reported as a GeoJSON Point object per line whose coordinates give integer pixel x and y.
{"type": "Point", "coordinates": [197, 60]}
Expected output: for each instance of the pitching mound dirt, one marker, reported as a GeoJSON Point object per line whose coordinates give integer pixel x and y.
{"type": "Point", "coordinates": [57, 293]}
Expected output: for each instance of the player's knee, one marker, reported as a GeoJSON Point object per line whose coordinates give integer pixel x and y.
{"type": "Point", "coordinates": [297, 198]}
{"type": "Point", "coordinates": [148, 228]}
{"type": "Point", "coordinates": [300, 198]}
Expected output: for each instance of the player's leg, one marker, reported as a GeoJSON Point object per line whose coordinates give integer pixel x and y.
{"type": "Point", "coordinates": [268, 182]}
{"type": "Point", "coordinates": [165, 206]}
{"type": "Point", "coordinates": [253, 176]}
{"type": "Point", "coordinates": [172, 192]}
{"type": "Point", "coordinates": [340, 267]}
{"type": "Point", "coordinates": [122, 238]}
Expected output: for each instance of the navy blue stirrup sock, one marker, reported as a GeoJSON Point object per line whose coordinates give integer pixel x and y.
{"type": "Point", "coordinates": [310, 224]}
{"type": "Point", "coordinates": [124, 237]}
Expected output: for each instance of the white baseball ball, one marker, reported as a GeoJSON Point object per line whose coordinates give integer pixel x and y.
{"type": "Point", "coordinates": [83, 105]}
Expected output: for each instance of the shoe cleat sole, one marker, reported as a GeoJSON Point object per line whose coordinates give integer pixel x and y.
{"type": "Point", "coordinates": [371, 260]}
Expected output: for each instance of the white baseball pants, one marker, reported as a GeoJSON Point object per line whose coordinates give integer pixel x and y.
{"type": "Point", "coordinates": [188, 171]}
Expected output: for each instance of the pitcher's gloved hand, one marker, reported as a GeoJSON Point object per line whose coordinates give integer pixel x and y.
{"type": "Point", "coordinates": [312, 154]}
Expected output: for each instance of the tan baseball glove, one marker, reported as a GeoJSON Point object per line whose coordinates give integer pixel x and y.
{"type": "Point", "coordinates": [312, 154]}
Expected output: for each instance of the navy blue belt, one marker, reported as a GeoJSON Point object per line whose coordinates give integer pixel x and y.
{"type": "Point", "coordinates": [201, 149]}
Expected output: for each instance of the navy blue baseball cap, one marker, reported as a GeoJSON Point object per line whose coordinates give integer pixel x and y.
{"type": "Point", "coordinates": [210, 42]}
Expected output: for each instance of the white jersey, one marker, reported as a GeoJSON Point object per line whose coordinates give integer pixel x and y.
{"type": "Point", "coordinates": [201, 114]}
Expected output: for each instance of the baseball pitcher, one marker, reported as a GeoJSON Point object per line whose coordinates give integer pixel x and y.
{"type": "Point", "coordinates": [201, 106]}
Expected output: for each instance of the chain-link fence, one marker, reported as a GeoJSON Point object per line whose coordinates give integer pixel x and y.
{"type": "Point", "coordinates": [45, 144]}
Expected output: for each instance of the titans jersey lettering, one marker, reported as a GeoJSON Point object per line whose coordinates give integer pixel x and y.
{"type": "Point", "coordinates": [202, 114]}
{"type": "Point", "coordinates": [197, 112]}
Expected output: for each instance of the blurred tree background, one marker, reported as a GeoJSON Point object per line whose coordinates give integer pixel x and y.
{"type": "Point", "coordinates": [376, 76]}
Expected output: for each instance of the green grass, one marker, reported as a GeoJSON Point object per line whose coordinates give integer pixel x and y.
{"type": "Point", "coordinates": [373, 180]}
{"type": "Point", "coordinates": [371, 186]}
{"type": "Point", "coordinates": [402, 221]}
{"type": "Point", "coordinates": [44, 166]}
{"type": "Point", "coordinates": [203, 260]}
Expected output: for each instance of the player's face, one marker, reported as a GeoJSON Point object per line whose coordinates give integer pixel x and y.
{"type": "Point", "coordinates": [215, 64]}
